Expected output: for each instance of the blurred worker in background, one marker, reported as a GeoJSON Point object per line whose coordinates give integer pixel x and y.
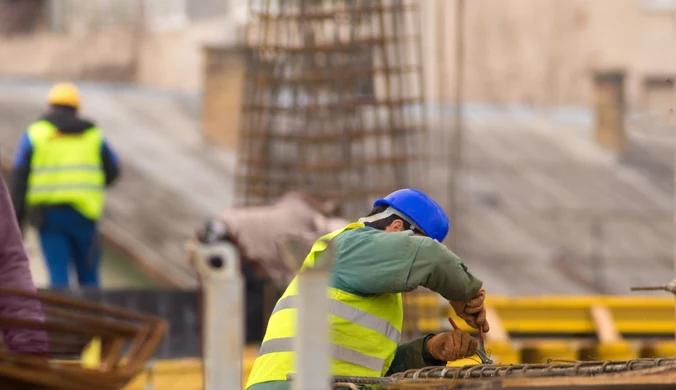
{"type": "Point", "coordinates": [61, 170]}
{"type": "Point", "coordinates": [15, 273]}
{"type": "Point", "coordinates": [260, 234]}
{"type": "Point", "coordinates": [395, 249]}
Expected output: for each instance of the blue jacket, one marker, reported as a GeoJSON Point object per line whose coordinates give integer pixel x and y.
{"type": "Point", "coordinates": [67, 121]}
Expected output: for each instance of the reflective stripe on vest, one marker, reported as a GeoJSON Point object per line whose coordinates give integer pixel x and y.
{"type": "Point", "coordinates": [350, 313]}
{"type": "Point", "coordinates": [66, 169]}
{"type": "Point", "coordinates": [337, 352]}
{"type": "Point", "coordinates": [365, 331]}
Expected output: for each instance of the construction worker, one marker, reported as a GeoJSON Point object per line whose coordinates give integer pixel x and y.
{"type": "Point", "coordinates": [260, 233]}
{"type": "Point", "coordinates": [62, 166]}
{"type": "Point", "coordinates": [396, 248]}
{"type": "Point", "coordinates": [15, 273]}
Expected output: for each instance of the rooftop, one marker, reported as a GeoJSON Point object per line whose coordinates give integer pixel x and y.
{"type": "Point", "coordinates": [544, 210]}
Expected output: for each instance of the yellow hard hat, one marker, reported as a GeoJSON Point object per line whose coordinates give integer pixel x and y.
{"type": "Point", "coordinates": [64, 94]}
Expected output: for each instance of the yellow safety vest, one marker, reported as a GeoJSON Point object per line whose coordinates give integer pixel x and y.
{"type": "Point", "coordinates": [365, 331]}
{"type": "Point", "coordinates": [66, 169]}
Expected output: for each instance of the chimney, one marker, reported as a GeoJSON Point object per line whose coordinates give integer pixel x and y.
{"type": "Point", "coordinates": [222, 88]}
{"type": "Point", "coordinates": [610, 110]}
{"type": "Point", "coordinates": [658, 98]}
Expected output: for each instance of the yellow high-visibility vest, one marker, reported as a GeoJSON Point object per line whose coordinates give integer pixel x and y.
{"type": "Point", "coordinates": [66, 169]}
{"type": "Point", "coordinates": [365, 331]}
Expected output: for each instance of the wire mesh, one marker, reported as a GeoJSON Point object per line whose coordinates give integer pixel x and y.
{"type": "Point", "coordinates": [453, 377]}
{"type": "Point", "coordinates": [333, 101]}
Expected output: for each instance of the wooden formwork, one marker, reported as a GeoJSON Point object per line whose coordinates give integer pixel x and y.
{"type": "Point", "coordinates": [333, 100]}
{"type": "Point", "coordinates": [45, 336]}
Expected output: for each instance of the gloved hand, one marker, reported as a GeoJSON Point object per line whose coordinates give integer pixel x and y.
{"type": "Point", "coordinates": [449, 346]}
{"type": "Point", "coordinates": [473, 311]}
{"type": "Point", "coordinates": [212, 231]}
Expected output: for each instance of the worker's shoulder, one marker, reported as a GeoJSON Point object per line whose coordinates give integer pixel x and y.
{"type": "Point", "coordinates": [367, 236]}
{"type": "Point", "coordinates": [84, 123]}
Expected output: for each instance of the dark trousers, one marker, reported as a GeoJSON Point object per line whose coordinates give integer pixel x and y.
{"type": "Point", "coordinates": [70, 240]}
{"type": "Point", "coordinates": [261, 296]}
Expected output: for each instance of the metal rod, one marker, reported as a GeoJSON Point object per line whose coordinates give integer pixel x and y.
{"type": "Point", "coordinates": [510, 370]}
{"type": "Point", "coordinates": [578, 369]}
{"type": "Point", "coordinates": [649, 288]}
{"type": "Point", "coordinates": [457, 139]}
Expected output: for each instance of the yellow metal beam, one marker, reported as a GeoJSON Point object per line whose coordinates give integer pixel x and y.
{"type": "Point", "coordinates": [559, 314]}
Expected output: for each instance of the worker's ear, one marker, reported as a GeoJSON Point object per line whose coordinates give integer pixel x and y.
{"type": "Point", "coordinates": [396, 226]}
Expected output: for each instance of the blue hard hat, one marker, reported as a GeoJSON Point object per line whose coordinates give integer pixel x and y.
{"type": "Point", "coordinates": [424, 212]}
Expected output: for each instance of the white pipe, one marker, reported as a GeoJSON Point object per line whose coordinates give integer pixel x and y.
{"type": "Point", "coordinates": [312, 341]}
{"type": "Point", "coordinates": [218, 265]}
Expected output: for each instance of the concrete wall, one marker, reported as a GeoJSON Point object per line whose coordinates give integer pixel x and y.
{"type": "Point", "coordinates": [224, 71]}
{"type": "Point", "coordinates": [544, 51]}
{"type": "Point", "coordinates": [169, 59]}
{"type": "Point", "coordinates": [539, 52]}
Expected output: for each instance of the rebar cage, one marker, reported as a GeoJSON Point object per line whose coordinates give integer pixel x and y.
{"type": "Point", "coordinates": [333, 100]}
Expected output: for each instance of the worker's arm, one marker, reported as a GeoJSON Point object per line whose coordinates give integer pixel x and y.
{"type": "Point", "coordinates": [111, 164]}
{"type": "Point", "coordinates": [413, 355]}
{"type": "Point", "coordinates": [19, 179]}
{"type": "Point", "coordinates": [374, 262]}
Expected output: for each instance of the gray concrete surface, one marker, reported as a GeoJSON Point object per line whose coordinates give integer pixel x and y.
{"type": "Point", "coordinates": [171, 179]}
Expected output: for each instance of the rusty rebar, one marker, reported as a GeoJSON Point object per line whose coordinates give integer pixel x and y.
{"type": "Point", "coordinates": [482, 371]}
{"type": "Point", "coordinates": [329, 95]}
{"type": "Point", "coordinates": [573, 369]}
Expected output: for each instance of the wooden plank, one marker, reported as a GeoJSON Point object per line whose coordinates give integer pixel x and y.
{"type": "Point", "coordinates": [498, 332]}
{"type": "Point", "coordinates": [605, 325]}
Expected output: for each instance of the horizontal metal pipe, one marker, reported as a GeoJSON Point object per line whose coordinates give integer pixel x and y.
{"type": "Point", "coordinates": [649, 288]}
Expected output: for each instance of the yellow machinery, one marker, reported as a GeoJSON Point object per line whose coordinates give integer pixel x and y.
{"type": "Point", "coordinates": [523, 330]}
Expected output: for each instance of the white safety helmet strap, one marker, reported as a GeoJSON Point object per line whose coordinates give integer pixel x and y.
{"type": "Point", "coordinates": [385, 214]}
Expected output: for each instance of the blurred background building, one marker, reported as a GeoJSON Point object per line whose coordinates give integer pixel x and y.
{"type": "Point", "coordinates": [546, 125]}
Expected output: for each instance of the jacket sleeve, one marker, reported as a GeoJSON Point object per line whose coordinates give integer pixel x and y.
{"type": "Point", "coordinates": [377, 263]}
{"type": "Point", "coordinates": [413, 355]}
{"type": "Point", "coordinates": [111, 163]}
{"type": "Point", "coordinates": [15, 273]}
{"type": "Point", "coordinates": [19, 178]}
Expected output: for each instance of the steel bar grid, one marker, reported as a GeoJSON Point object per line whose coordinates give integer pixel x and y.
{"type": "Point", "coordinates": [333, 101]}
{"type": "Point", "coordinates": [485, 371]}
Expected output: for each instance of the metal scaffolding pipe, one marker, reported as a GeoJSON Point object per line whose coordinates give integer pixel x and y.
{"type": "Point", "coordinates": [312, 341]}
{"type": "Point", "coordinates": [218, 266]}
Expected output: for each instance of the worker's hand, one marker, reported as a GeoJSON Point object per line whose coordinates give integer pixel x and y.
{"type": "Point", "coordinates": [473, 311]}
{"type": "Point", "coordinates": [450, 346]}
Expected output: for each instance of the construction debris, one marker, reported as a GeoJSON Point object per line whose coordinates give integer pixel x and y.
{"type": "Point", "coordinates": [333, 100]}
{"type": "Point", "coordinates": [75, 345]}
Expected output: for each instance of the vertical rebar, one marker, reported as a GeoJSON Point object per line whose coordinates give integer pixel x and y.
{"type": "Point", "coordinates": [597, 256]}
{"type": "Point", "coordinates": [441, 83]}
{"type": "Point", "coordinates": [457, 139]}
